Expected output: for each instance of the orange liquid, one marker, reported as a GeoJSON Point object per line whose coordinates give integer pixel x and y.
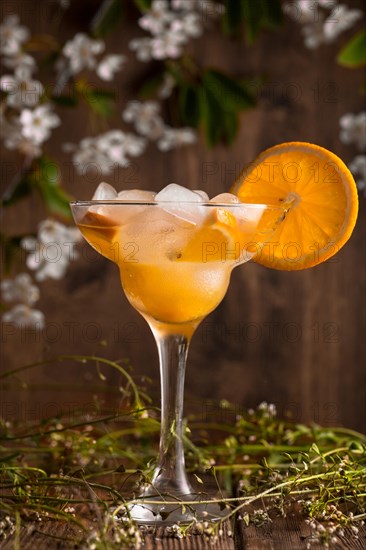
{"type": "Point", "coordinates": [161, 286]}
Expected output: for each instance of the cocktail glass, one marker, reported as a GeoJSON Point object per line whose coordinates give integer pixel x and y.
{"type": "Point", "coordinates": [175, 261]}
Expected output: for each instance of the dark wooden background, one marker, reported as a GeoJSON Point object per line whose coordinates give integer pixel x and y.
{"type": "Point", "coordinates": [295, 339]}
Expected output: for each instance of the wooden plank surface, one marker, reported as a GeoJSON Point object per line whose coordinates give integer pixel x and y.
{"type": "Point", "coordinates": [290, 533]}
{"type": "Point", "coordinates": [160, 541]}
{"type": "Point", "coordinates": [53, 535]}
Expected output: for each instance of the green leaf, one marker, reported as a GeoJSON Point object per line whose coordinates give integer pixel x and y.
{"type": "Point", "coordinates": [56, 199]}
{"type": "Point", "coordinates": [210, 117]}
{"type": "Point", "coordinates": [233, 16]}
{"type": "Point", "coordinates": [65, 100]}
{"type": "Point", "coordinates": [230, 127]}
{"type": "Point", "coordinates": [46, 179]}
{"type": "Point", "coordinates": [253, 14]}
{"type": "Point", "coordinates": [353, 55]}
{"type": "Point", "coordinates": [315, 449]}
{"type": "Point", "coordinates": [22, 188]}
{"type": "Point", "coordinates": [143, 5]}
{"type": "Point", "coordinates": [102, 102]}
{"type": "Point", "coordinates": [272, 14]}
{"type": "Point", "coordinates": [107, 18]}
{"type": "Point", "coordinates": [189, 103]}
{"type": "Point", "coordinates": [49, 170]}
{"type": "Point", "coordinates": [10, 249]}
{"type": "Point", "coordinates": [227, 91]}
{"type": "Point", "coordinates": [253, 18]}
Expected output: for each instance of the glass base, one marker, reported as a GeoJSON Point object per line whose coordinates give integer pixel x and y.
{"type": "Point", "coordinates": [146, 510]}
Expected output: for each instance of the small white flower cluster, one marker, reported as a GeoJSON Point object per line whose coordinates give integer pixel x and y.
{"type": "Point", "coordinates": [325, 534]}
{"type": "Point", "coordinates": [81, 53]}
{"type": "Point", "coordinates": [7, 527]}
{"type": "Point", "coordinates": [171, 26]}
{"type": "Point", "coordinates": [353, 131]}
{"type": "Point", "coordinates": [267, 409]}
{"type": "Point", "coordinates": [121, 532]}
{"type": "Point", "coordinates": [24, 294]}
{"type": "Point", "coordinates": [29, 124]}
{"type": "Point", "coordinates": [323, 20]}
{"type": "Point", "coordinates": [147, 121]}
{"type": "Point", "coordinates": [175, 531]}
{"type": "Point", "coordinates": [113, 148]}
{"type": "Point", "coordinates": [51, 252]}
{"type": "Point", "coordinates": [49, 256]}
{"type": "Point", "coordinates": [106, 151]}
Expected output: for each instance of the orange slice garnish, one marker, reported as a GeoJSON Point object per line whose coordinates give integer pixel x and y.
{"type": "Point", "coordinates": [322, 200]}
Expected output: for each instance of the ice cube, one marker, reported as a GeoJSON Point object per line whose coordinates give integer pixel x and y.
{"type": "Point", "coordinates": [119, 214]}
{"type": "Point", "coordinates": [129, 211]}
{"type": "Point", "coordinates": [225, 198]}
{"type": "Point", "coordinates": [252, 213]}
{"type": "Point", "coordinates": [244, 212]}
{"type": "Point", "coordinates": [182, 203]}
{"type": "Point", "coordinates": [202, 194]}
{"type": "Point", "coordinates": [136, 195]}
{"type": "Point", "coordinates": [157, 233]}
{"type": "Point", "coordinates": [104, 192]}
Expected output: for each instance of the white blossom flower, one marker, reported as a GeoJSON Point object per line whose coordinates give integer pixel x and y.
{"type": "Point", "coordinates": [21, 90]}
{"type": "Point", "coordinates": [53, 249]}
{"type": "Point", "coordinates": [320, 27]}
{"type": "Point", "coordinates": [314, 33]}
{"type": "Point", "coordinates": [142, 47]}
{"type": "Point", "coordinates": [20, 61]}
{"type": "Point", "coordinates": [88, 153]}
{"type": "Point", "coordinates": [307, 11]}
{"type": "Point", "coordinates": [20, 289]}
{"type": "Point", "coordinates": [328, 4]}
{"type": "Point", "coordinates": [209, 8]}
{"type": "Point", "coordinates": [353, 129]}
{"type": "Point", "coordinates": [341, 19]}
{"type": "Point", "coordinates": [184, 5]}
{"type": "Point", "coordinates": [23, 316]}
{"type": "Point", "coordinates": [268, 409]}
{"type": "Point", "coordinates": [81, 52]}
{"type": "Point", "coordinates": [146, 118]}
{"type": "Point", "coordinates": [106, 151]}
{"type": "Point", "coordinates": [109, 65]}
{"type": "Point", "coordinates": [168, 45]}
{"type": "Point", "coordinates": [189, 24]}
{"type": "Point", "coordinates": [117, 145]}
{"type": "Point", "coordinates": [112, 146]}
{"type": "Point", "coordinates": [358, 169]}
{"type": "Point", "coordinates": [157, 18]}
{"type": "Point", "coordinates": [171, 25]}
{"type": "Point", "coordinates": [12, 35]}
{"type": "Point", "coordinates": [175, 137]}
{"type": "Point", "coordinates": [15, 141]}
{"type": "Point", "coordinates": [10, 130]}
{"type": "Point", "coordinates": [37, 124]}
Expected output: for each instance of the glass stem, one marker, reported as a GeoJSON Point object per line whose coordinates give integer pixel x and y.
{"type": "Point", "coordinates": [170, 475]}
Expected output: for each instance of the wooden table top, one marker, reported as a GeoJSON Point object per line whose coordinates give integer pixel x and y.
{"type": "Point", "coordinates": [290, 533]}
